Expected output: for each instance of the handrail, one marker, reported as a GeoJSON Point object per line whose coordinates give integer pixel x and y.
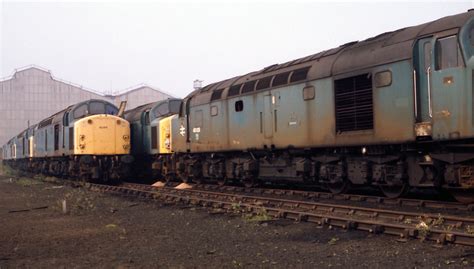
{"type": "Point", "coordinates": [415, 94]}
{"type": "Point", "coordinates": [428, 73]}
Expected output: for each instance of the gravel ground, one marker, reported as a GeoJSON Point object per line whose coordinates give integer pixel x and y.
{"type": "Point", "coordinates": [114, 232]}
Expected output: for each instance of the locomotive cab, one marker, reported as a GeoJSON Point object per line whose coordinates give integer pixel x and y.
{"type": "Point", "coordinates": [444, 107]}
{"type": "Point", "coordinates": [163, 114]}
{"type": "Point", "coordinates": [150, 134]}
{"type": "Point", "coordinates": [91, 128]}
{"type": "Point", "coordinates": [85, 140]}
{"type": "Point", "coordinates": [443, 77]}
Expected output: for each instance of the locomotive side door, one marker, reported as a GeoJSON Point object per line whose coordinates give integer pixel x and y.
{"type": "Point", "coordinates": [267, 116]}
{"type": "Point", "coordinates": [423, 60]}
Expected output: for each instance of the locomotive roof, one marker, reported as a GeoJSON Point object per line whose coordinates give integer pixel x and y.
{"type": "Point", "coordinates": [135, 114]}
{"type": "Point", "coordinates": [382, 49]}
{"type": "Point", "coordinates": [88, 101]}
{"type": "Point", "coordinates": [58, 116]}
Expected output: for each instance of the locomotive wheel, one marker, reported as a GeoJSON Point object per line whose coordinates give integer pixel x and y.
{"type": "Point", "coordinates": [250, 182]}
{"type": "Point", "coordinates": [199, 180]}
{"type": "Point", "coordinates": [184, 178]}
{"type": "Point", "coordinates": [394, 191]}
{"type": "Point", "coordinates": [169, 178]}
{"type": "Point", "coordinates": [465, 196]}
{"type": "Point", "coordinates": [105, 176]}
{"type": "Point", "coordinates": [339, 187]}
{"type": "Point", "coordinates": [221, 181]}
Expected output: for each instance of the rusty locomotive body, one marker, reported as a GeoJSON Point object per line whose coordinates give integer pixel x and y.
{"type": "Point", "coordinates": [393, 111]}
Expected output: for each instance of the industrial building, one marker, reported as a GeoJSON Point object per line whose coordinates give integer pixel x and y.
{"type": "Point", "coordinates": [32, 94]}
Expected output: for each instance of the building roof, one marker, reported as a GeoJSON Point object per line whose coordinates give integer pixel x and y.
{"type": "Point", "coordinates": [115, 93]}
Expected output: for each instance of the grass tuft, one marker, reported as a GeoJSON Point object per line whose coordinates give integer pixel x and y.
{"type": "Point", "coordinates": [259, 216]}
{"type": "Point", "coordinates": [26, 182]}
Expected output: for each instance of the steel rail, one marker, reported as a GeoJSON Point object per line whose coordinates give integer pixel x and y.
{"type": "Point", "coordinates": [346, 197]}
{"type": "Point", "coordinates": [318, 196]}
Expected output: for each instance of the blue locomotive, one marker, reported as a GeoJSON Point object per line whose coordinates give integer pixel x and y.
{"type": "Point", "coordinates": [150, 137]}
{"type": "Point", "coordinates": [394, 111]}
{"type": "Point", "coordinates": [86, 140]}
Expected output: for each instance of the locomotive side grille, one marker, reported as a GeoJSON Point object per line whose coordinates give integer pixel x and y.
{"type": "Point", "coordinates": [354, 107]}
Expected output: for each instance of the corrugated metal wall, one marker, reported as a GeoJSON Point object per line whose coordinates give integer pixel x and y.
{"type": "Point", "coordinates": [32, 94]}
{"type": "Point", "coordinates": [140, 96]}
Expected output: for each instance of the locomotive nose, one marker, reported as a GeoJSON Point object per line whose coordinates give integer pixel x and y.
{"type": "Point", "coordinates": [103, 135]}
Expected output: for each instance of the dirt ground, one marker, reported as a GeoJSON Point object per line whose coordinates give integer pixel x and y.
{"type": "Point", "coordinates": [114, 232]}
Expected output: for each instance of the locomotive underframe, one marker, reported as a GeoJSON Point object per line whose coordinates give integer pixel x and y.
{"type": "Point", "coordinates": [147, 168]}
{"type": "Point", "coordinates": [110, 168]}
{"type": "Point", "coordinates": [393, 168]}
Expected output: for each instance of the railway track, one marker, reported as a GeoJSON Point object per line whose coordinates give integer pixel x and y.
{"type": "Point", "coordinates": [435, 227]}
{"type": "Point", "coordinates": [325, 196]}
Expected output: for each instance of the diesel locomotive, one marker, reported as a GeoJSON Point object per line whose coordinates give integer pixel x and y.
{"type": "Point", "coordinates": [395, 111]}
{"type": "Point", "coordinates": [86, 140]}
{"type": "Point", "coordinates": [151, 137]}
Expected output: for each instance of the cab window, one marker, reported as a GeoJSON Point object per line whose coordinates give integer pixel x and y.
{"type": "Point", "coordinates": [181, 110]}
{"type": "Point", "coordinates": [447, 53]}
{"type": "Point", "coordinates": [66, 119]}
{"type": "Point", "coordinates": [96, 108]}
{"type": "Point", "coordinates": [147, 118]}
{"type": "Point", "coordinates": [167, 108]}
{"type": "Point", "coordinates": [111, 110]}
{"type": "Point", "coordinates": [471, 36]}
{"type": "Point", "coordinates": [80, 111]}
{"type": "Point", "coordinates": [174, 106]}
{"type": "Point", "coordinates": [161, 110]}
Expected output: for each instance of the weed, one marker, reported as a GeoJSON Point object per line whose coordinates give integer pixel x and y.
{"type": "Point", "coordinates": [47, 179]}
{"type": "Point", "coordinates": [260, 215]}
{"type": "Point", "coordinates": [6, 170]}
{"type": "Point", "coordinates": [423, 230]}
{"type": "Point", "coordinates": [449, 228]}
{"type": "Point", "coordinates": [333, 241]}
{"type": "Point", "coordinates": [111, 226]}
{"type": "Point", "coordinates": [236, 264]}
{"type": "Point", "coordinates": [236, 208]}
{"type": "Point", "coordinates": [470, 229]}
{"type": "Point", "coordinates": [77, 202]}
{"type": "Point", "coordinates": [26, 182]}
{"type": "Point", "coordinates": [439, 221]}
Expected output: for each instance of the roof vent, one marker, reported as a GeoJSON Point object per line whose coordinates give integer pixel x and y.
{"type": "Point", "coordinates": [197, 84]}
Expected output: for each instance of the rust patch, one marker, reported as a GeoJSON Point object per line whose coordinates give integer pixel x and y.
{"type": "Point", "coordinates": [448, 80]}
{"type": "Point", "coordinates": [443, 114]}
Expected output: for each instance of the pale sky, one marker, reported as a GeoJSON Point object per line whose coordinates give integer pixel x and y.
{"type": "Point", "coordinates": [112, 46]}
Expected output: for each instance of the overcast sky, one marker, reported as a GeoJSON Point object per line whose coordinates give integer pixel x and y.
{"type": "Point", "coordinates": [112, 46]}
